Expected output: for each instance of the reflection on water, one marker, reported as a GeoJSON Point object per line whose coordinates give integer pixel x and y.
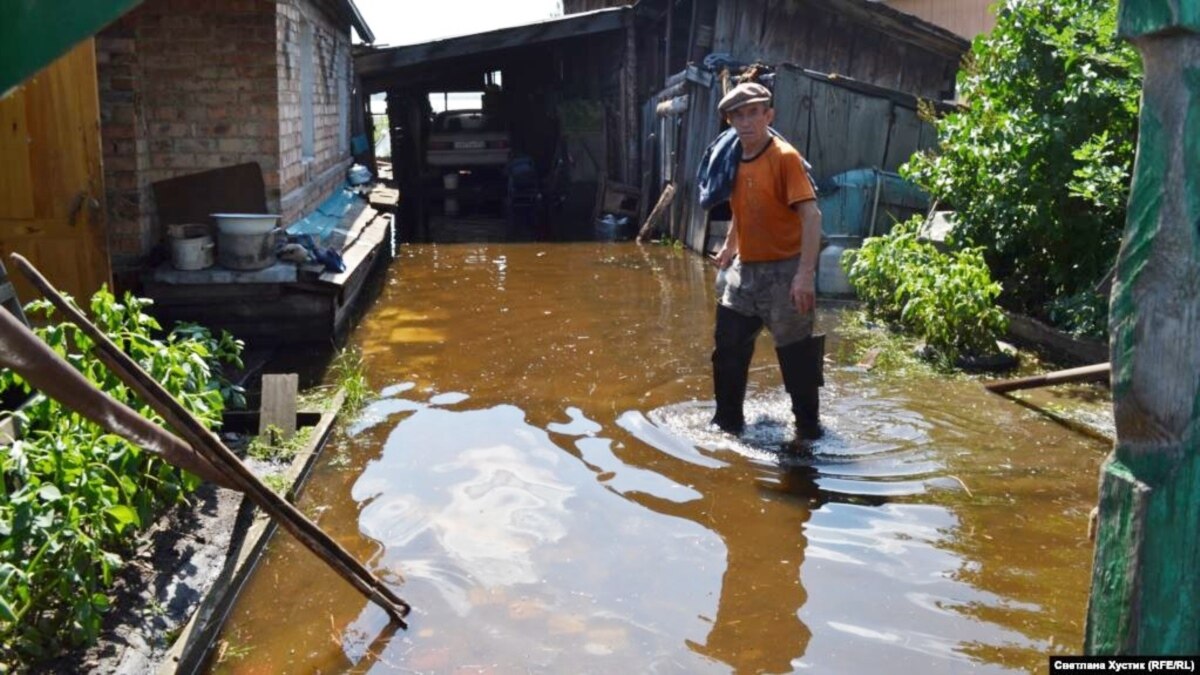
{"type": "Point", "coordinates": [537, 478]}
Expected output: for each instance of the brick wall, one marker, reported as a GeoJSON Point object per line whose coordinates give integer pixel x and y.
{"type": "Point", "coordinates": [124, 145]}
{"type": "Point", "coordinates": [190, 85]}
{"type": "Point", "coordinates": [307, 180]}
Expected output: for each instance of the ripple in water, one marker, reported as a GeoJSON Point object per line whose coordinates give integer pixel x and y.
{"type": "Point", "coordinates": [873, 447]}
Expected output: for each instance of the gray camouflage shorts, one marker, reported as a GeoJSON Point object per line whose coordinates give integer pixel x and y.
{"type": "Point", "coordinates": [763, 290]}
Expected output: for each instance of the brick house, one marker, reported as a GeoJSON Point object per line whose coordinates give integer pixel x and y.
{"type": "Point", "coordinates": [191, 85]}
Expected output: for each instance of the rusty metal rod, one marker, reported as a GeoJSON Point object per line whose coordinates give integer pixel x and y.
{"type": "Point", "coordinates": [206, 443]}
{"type": "Point", "coordinates": [1096, 373]}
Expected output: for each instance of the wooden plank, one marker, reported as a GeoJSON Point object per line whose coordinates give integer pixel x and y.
{"type": "Point", "coordinates": [664, 202]}
{"type": "Point", "coordinates": [866, 141]}
{"type": "Point", "coordinates": [726, 24]}
{"type": "Point", "coordinates": [185, 294]}
{"type": "Point", "coordinates": [830, 129]}
{"type": "Point", "coordinates": [793, 106]}
{"type": "Point", "coordinates": [383, 198]}
{"type": "Point", "coordinates": [1144, 595]}
{"type": "Point", "coordinates": [928, 136]}
{"type": "Point", "coordinates": [747, 36]}
{"type": "Point", "coordinates": [371, 239]}
{"type": "Point", "coordinates": [279, 405]}
{"type": "Point", "coordinates": [905, 137]}
{"type": "Point", "coordinates": [51, 184]}
{"type": "Point", "coordinates": [784, 23]}
{"type": "Point", "coordinates": [16, 181]}
{"type": "Point", "coordinates": [359, 216]}
{"type": "Point", "coordinates": [629, 106]}
{"type": "Point", "coordinates": [707, 124]}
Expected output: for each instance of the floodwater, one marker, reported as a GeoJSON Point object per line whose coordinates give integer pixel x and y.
{"type": "Point", "coordinates": [535, 477]}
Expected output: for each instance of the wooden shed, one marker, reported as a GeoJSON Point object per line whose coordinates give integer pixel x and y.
{"type": "Point", "coordinates": [564, 91]}
{"type": "Point", "coordinates": [836, 123]}
{"type": "Point", "coordinates": [867, 41]}
{"type": "Point", "coordinates": [848, 75]}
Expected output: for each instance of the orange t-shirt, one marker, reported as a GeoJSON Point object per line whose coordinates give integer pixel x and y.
{"type": "Point", "coordinates": [764, 191]}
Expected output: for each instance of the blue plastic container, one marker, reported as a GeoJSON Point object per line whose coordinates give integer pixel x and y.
{"type": "Point", "coordinates": [868, 202]}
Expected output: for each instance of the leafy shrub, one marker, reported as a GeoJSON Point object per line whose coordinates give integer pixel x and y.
{"type": "Point", "coordinates": [72, 494]}
{"type": "Point", "coordinates": [1037, 163]}
{"type": "Point", "coordinates": [1084, 314]}
{"type": "Point", "coordinates": [947, 299]}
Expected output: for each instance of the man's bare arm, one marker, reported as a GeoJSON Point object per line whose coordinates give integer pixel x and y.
{"type": "Point", "coordinates": [803, 291]}
{"type": "Point", "coordinates": [729, 249]}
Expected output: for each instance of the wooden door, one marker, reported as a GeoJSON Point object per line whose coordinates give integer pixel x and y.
{"type": "Point", "coordinates": [51, 181]}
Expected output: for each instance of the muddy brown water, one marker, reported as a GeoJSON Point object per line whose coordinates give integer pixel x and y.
{"type": "Point", "coordinates": [536, 478]}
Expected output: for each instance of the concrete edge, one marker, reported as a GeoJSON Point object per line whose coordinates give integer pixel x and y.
{"type": "Point", "coordinates": [1060, 346]}
{"type": "Point", "coordinates": [250, 536]}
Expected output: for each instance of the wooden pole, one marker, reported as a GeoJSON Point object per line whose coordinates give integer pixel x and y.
{"type": "Point", "coordinates": [664, 201]}
{"type": "Point", "coordinates": [227, 464]}
{"type": "Point", "coordinates": [1096, 373]}
{"type": "Point", "coordinates": [1145, 595]}
{"type": "Point", "coordinates": [630, 118]}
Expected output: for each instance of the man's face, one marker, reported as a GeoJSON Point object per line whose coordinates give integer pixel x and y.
{"type": "Point", "coordinates": [751, 122]}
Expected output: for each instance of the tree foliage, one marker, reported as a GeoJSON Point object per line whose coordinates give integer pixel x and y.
{"type": "Point", "coordinates": [1037, 161]}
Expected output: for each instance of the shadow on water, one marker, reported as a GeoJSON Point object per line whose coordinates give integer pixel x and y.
{"type": "Point", "coordinates": [537, 477]}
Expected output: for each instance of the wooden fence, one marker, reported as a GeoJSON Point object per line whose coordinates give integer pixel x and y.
{"type": "Point", "coordinates": [838, 124]}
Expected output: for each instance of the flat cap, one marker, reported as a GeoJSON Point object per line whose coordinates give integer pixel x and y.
{"type": "Point", "coordinates": [744, 94]}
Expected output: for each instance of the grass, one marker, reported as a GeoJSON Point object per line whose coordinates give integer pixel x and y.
{"type": "Point", "coordinates": [350, 373]}
{"type": "Point", "coordinates": [272, 447]}
{"type": "Point", "coordinates": [871, 344]}
{"type": "Point", "coordinates": [278, 483]}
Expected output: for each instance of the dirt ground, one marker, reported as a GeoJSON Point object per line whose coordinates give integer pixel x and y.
{"type": "Point", "coordinates": [161, 584]}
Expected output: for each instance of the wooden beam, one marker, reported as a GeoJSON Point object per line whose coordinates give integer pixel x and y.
{"type": "Point", "coordinates": [629, 107]}
{"type": "Point", "coordinates": [1145, 595]}
{"type": "Point", "coordinates": [664, 202]}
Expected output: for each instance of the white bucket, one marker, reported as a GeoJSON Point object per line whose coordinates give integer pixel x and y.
{"type": "Point", "coordinates": [191, 247]}
{"type": "Point", "coordinates": [247, 240]}
{"type": "Point", "coordinates": [245, 223]}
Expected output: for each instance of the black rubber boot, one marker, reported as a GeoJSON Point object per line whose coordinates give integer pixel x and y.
{"type": "Point", "coordinates": [803, 367]}
{"type": "Point", "coordinates": [734, 337]}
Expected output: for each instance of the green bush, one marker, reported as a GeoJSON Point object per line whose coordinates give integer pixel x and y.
{"type": "Point", "coordinates": [1037, 162]}
{"type": "Point", "coordinates": [1084, 314]}
{"type": "Point", "coordinates": [73, 494]}
{"type": "Point", "coordinates": [946, 299]}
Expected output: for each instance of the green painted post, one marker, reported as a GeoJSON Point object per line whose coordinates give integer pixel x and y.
{"type": "Point", "coordinates": [1145, 596]}
{"type": "Point", "coordinates": [35, 32]}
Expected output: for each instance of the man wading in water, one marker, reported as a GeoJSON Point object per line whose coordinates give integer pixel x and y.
{"type": "Point", "coordinates": [767, 265]}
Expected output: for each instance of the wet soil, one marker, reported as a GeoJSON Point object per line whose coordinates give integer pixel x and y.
{"type": "Point", "coordinates": [161, 584]}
